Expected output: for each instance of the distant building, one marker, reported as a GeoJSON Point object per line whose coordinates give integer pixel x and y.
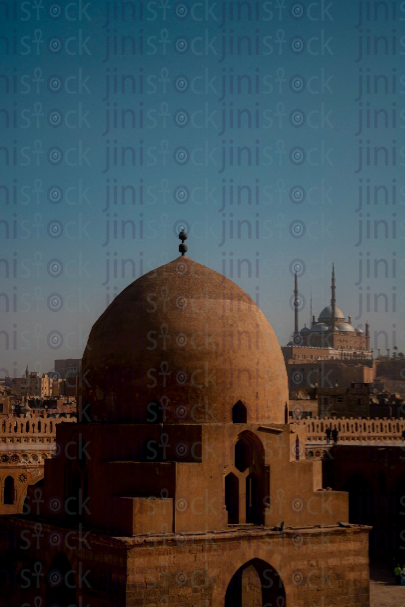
{"type": "Point", "coordinates": [28, 385]}
{"type": "Point", "coordinates": [45, 386]}
{"type": "Point", "coordinates": [332, 330]}
{"type": "Point", "coordinates": [68, 370]}
{"type": "Point", "coordinates": [359, 400]}
{"type": "Point", "coordinates": [68, 367]}
{"type": "Point", "coordinates": [5, 404]}
{"type": "Point", "coordinates": [331, 351]}
{"type": "Point", "coordinates": [26, 442]}
{"type": "Point", "coordinates": [50, 406]}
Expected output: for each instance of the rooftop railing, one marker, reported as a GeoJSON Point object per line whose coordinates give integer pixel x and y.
{"type": "Point", "coordinates": [356, 429]}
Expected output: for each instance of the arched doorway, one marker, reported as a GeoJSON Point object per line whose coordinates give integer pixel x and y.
{"type": "Point", "coordinates": [253, 478]}
{"type": "Point", "coordinates": [59, 582]}
{"type": "Point", "coordinates": [9, 492]}
{"type": "Point", "coordinates": [255, 584]}
{"type": "Point", "coordinates": [244, 453]}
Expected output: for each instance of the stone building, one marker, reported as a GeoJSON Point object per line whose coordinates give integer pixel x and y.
{"type": "Point", "coordinates": [331, 351]}
{"type": "Point", "coordinates": [31, 384]}
{"type": "Point", "coordinates": [66, 368]}
{"type": "Point", "coordinates": [67, 371]}
{"type": "Point", "coordinates": [309, 370]}
{"type": "Point", "coordinates": [359, 400]}
{"type": "Point", "coordinates": [25, 444]}
{"type": "Point", "coordinates": [185, 478]}
{"type": "Point", "coordinates": [390, 372]}
{"type": "Point", "coordinates": [5, 404]}
{"type": "Point", "coordinates": [332, 329]}
{"type": "Point", "coordinates": [372, 473]}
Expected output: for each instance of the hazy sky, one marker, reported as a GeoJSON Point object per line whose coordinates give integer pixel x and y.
{"type": "Point", "coordinates": [291, 105]}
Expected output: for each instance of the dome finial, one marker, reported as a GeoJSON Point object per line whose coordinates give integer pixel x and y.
{"type": "Point", "coordinates": [183, 248]}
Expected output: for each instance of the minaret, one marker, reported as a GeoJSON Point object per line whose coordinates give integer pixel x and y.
{"type": "Point", "coordinates": [310, 310]}
{"type": "Point", "coordinates": [333, 298]}
{"type": "Point", "coordinates": [367, 336]}
{"type": "Point", "coordinates": [296, 304]}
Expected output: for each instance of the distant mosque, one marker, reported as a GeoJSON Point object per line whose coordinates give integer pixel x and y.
{"type": "Point", "coordinates": [331, 330]}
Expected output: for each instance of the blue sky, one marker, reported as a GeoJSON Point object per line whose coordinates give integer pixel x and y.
{"type": "Point", "coordinates": [60, 69]}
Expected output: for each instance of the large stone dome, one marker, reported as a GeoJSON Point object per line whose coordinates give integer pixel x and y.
{"type": "Point", "coordinates": [191, 341]}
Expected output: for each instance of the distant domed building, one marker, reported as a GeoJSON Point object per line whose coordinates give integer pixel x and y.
{"type": "Point", "coordinates": [343, 349]}
{"type": "Point", "coordinates": [183, 483]}
{"type": "Point", "coordinates": [332, 330]}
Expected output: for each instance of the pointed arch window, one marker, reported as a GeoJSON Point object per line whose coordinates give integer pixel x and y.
{"type": "Point", "coordinates": [248, 484]}
{"type": "Point", "coordinates": [244, 454]}
{"type": "Point", "coordinates": [239, 413]}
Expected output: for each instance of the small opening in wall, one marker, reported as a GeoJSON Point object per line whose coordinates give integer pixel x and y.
{"type": "Point", "coordinates": [239, 413]}
{"type": "Point", "coordinates": [9, 490]}
{"type": "Point", "coordinates": [232, 498]}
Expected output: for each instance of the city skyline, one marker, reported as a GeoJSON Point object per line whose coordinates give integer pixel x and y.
{"type": "Point", "coordinates": [320, 299]}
